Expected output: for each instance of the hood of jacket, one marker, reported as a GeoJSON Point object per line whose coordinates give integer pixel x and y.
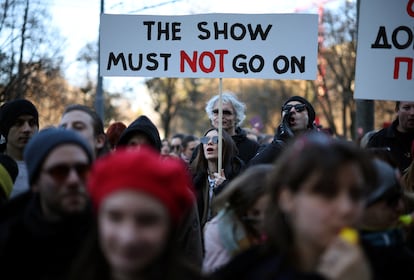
{"type": "Point", "coordinates": [142, 125]}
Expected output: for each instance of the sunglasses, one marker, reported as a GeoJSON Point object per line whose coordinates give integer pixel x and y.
{"type": "Point", "coordinates": [225, 112]}
{"type": "Point", "coordinates": [175, 147]}
{"type": "Point", "coordinates": [298, 107]}
{"type": "Point", "coordinates": [206, 139]}
{"type": "Point", "coordinates": [60, 172]}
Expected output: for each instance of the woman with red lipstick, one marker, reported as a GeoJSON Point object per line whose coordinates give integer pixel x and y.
{"type": "Point", "coordinates": [208, 180]}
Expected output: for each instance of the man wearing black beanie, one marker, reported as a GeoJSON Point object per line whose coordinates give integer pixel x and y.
{"type": "Point", "coordinates": [298, 117]}
{"type": "Point", "coordinates": [19, 121]}
{"type": "Point", "coordinates": [42, 230]}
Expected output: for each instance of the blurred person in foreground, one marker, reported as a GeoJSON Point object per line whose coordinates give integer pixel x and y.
{"type": "Point", "coordinates": [138, 212]}
{"type": "Point", "coordinates": [381, 232]}
{"type": "Point", "coordinates": [312, 199]}
{"type": "Point", "coordinates": [42, 230]}
{"type": "Point", "coordinates": [143, 132]}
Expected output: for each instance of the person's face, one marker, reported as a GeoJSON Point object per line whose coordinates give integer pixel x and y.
{"type": "Point", "coordinates": [298, 121]}
{"type": "Point", "coordinates": [229, 117]}
{"type": "Point", "coordinates": [176, 146]}
{"type": "Point", "coordinates": [62, 181]}
{"type": "Point", "coordinates": [138, 139]}
{"type": "Point", "coordinates": [83, 123]}
{"type": "Point", "coordinates": [165, 148]}
{"type": "Point", "coordinates": [316, 218]}
{"type": "Point", "coordinates": [257, 212]}
{"type": "Point", "coordinates": [133, 230]}
{"type": "Point", "coordinates": [382, 215]}
{"type": "Point", "coordinates": [406, 116]}
{"type": "Point", "coordinates": [211, 147]}
{"type": "Point", "coordinates": [188, 151]}
{"type": "Point", "coordinates": [21, 131]}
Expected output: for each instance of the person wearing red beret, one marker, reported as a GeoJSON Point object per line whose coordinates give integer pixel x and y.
{"type": "Point", "coordinates": [138, 211]}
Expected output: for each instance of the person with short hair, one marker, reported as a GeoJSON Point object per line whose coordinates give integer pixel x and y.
{"type": "Point", "coordinates": [399, 136]}
{"type": "Point", "coordinates": [189, 144]}
{"type": "Point", "coordinates": [42, 230]}
{"type": "Point", "coordinates": [89, 124]}
{"type": "Point", "coordinates": [176, 144]}
{"type": "Point", "coordinates": [19, 121]}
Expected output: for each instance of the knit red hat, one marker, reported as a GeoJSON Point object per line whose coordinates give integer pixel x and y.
{"type": "Point", "coordinates": [144, 170]}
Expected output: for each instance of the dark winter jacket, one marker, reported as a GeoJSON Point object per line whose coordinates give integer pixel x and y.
{"type": "Point", "coordinates": [388, 254]}
{"type": "Point", "coordinates": [247, 147]}
{"type": "Point", "coordinates": [399, 143]}
{"type": "Point", "coordinates": [258, 263]}
{"type": "Point", "coordinates": [33, 248]}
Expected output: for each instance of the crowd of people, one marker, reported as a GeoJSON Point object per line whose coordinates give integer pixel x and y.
{"type": "Point", "coordinates": [79, 202]}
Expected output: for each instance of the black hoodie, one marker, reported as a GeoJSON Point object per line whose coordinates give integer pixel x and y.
{"type": "Point", "coordinates": [142, 125]}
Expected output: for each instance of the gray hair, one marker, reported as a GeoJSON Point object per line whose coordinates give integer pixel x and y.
{"type": "Point", "coordinates": [227, 97]}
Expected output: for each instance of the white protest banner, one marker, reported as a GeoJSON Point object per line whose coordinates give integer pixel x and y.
{"type": "Point", "coordinates": [268, 46]}
{"type": "Point", "coordinates": [384, 64]}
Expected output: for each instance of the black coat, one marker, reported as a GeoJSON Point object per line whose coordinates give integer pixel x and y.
{"type": "Point", "coordinates": [247, 147]}
{"type": "Point", "coordinates": [259, 263]}
{"type": "Point", "coordinates": [33, 248]}
{"type": "Point", "coordinates": [388, 255]}
{"type": "Point", "coordinates": [399, 143]}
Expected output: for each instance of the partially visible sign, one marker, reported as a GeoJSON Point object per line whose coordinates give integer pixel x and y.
{"type": "Point", "coordinates": [385, 53]}
{"type": "Point", "coordinates": [269, 46]}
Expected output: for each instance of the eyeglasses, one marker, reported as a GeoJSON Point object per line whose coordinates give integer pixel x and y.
{"type": "Point", "coordinates": [175, 147]}
{"type": "Point", "coordinates": [225, 112]}
{"type": "Point", "coordinates": [298, 107]}
{"type": "Point", "coordinates": [60, 172]}
{"type": "Point", "coordinates": [206, 139]}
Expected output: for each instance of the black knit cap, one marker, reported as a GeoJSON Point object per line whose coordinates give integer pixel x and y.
{"type": "Point", "coordinates": [10, 111]}
{"type": "Point", "coordinates": [44, 142]}
{"type": "Point", "coordinates": [309, 107]}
